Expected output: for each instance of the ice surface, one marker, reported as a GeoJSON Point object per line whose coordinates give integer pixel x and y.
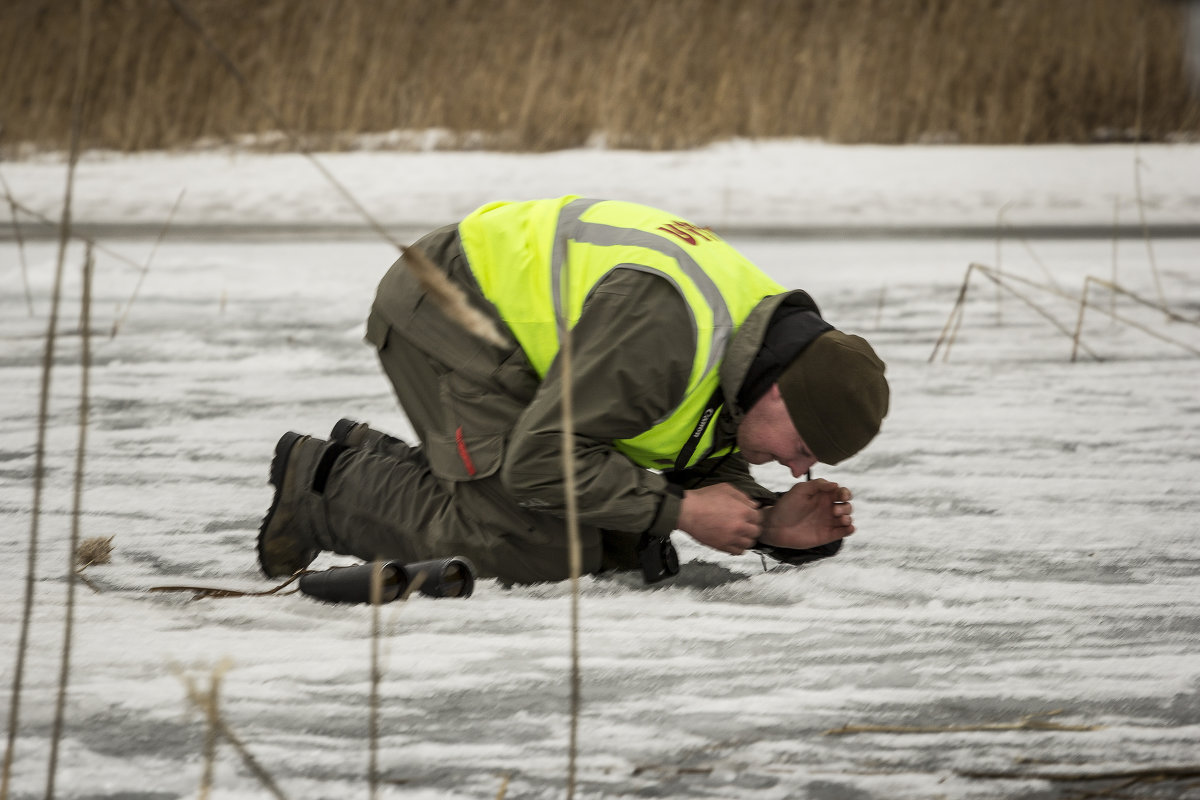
{"type": "Point", "coordinates": [740, 184]}
{"type": "Point", "coordinates": [1028, 536]}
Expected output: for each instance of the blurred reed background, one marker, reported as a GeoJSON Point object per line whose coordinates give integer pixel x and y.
{"type": "Point", "coordinates": [656, 74]}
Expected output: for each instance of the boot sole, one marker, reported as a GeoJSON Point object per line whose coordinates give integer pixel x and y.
{"type": "Point", "coordinates": [278, 470]}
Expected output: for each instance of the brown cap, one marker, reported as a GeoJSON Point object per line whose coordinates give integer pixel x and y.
{"type": "Point", "coordinates": [836, 395]}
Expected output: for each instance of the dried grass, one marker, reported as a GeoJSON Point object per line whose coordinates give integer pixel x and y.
{"type": "Point", "coordinates": [94, 550]}
{"type": "Point", "coordinates": [543, 74]}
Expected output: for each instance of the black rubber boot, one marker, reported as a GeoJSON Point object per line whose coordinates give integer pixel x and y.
{"type": "Point", "coordinates": [293, 531]}
{"type": "Point", "coordinates": [352, 433]}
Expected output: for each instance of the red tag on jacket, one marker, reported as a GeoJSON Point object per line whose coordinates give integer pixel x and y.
{"type": "Point", "coordinates": [462, 452]}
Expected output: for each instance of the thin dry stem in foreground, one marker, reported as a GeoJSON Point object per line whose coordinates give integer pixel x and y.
{"type": "Point", "coordinates": [574, 543]}
{"type": "Point", "coordinates": [206, 703]}
{"type": "Point", "coordinates": [503, 791]}
{"type": "Point", "coordinates": [39, 470]}
{"type": "Point", "coordinates": [376, 678]}
{"type": "Point", "coordinates": [64, 675]}
{"type": "Point", "coordinates": [212, 704]}
{"type": "Point", "coordinates": [450, 299]}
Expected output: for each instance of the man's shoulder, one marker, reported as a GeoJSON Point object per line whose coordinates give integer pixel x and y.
{"type": "Point", "coordinates": [634, 282]}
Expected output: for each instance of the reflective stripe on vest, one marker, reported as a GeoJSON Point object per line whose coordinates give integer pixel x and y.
{"type": "Point", "coordinates": [538, 262]}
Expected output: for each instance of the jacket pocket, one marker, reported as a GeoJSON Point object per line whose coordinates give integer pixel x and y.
{"type": "Point", "coordinates": [476, 421]}
{"type": "Point", "coordinates": [481, 391]}
{"type": "Point", "coordinates": [461, 456]}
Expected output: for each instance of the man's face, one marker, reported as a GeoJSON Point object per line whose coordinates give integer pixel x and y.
{"type": "Point", "coordinates": [767, 434]}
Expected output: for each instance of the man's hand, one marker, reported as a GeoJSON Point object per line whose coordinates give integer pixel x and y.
{"type": "Point", "coordinates": [808, 515]}
{"type": "Point", "coordinates": [721, 517]}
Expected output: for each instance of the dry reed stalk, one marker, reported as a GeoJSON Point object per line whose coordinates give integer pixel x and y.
{"type": "Point", "coordinates": [212, 705]}
{"type": "Point", "coordinates": [93, 550]}
{"type": "Point", "coordinates": [16, 225]}
{"type": "Point", "coordinates": [39, 470]}
{"type": "Point", "coordinates": [376, 677]}
{"type": "Point", "coordinates": [231, 67]}
{"type": "Point", "coordinates": [446, 295]}
{"type": "Point", "coordinates": [1115, 243]}
{"type": "Point", "coordinates": [64, 674]}
{"type": "Point", "coordinates": [1138, 163]}
{"type": "Point", "coordinates": [1171, 315]}
{"type": "Point", "coordinates": [1030, 252]}
{"type": "Point", "coordinates": [962, 312]}
{"type": "Point", "coordinates": [957, 313]}
{"type": "Point", "coordinates": [664, 75]}
{"type": "Point", "coordinates": [1079, 320]}
{"type": "Point", "coordinates": [213, 592]}
{"type": "Point", "coordinates": [121, 316]}
{"type": "Point", "coordinates": [373, 779]}
{"type": "Point", "coordinates": [1041, 311]}
{"type": "Point", "coordinates": [450, 298]}
{"type": "Point", "coordinates": [574, 543]}
{"type": "Point", "coordinates": [57, 223]}
{"type": "Point", "coordinates": [205, 702]}
{"type": "Point", "coordinates": [1141, 207]}
{"type": "Point", "coordinates": [1116, 289]}
{"type": "Point", "coordinates": [999, 262]}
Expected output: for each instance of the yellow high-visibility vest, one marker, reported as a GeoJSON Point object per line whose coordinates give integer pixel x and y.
{"type": "Point", "coordinates": [538, 261]}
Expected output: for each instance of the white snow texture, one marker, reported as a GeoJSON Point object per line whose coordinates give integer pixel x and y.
{"type": "Point", "coordinates": [1028, 537]}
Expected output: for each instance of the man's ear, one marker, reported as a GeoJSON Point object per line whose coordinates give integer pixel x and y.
{"type": "Point", "coordinates": [772, 402]}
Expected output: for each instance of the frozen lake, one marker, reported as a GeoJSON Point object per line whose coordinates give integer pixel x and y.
{"type": "Point", "coordinates": [1028, 544]}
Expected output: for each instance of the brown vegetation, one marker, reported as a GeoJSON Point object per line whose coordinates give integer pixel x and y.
{"type": "Point", "coordinates": [541, 74]}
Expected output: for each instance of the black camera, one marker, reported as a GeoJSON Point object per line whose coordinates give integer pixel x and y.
{"type": "Point", "coordinates": [445, 577]}
{"type": "Point", "coordinates": [658, 557]}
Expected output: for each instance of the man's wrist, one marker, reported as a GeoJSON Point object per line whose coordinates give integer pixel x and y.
{"type": "Point", "coordinates": [764, 535]}
{"type": "Point", "coordinates": [669, 507]}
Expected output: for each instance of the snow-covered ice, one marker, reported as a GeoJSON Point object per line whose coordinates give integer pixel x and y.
{"type": "Point", "coordinates": [734, 185]}
{"type": "Point", "coordinates": [1028, 536]}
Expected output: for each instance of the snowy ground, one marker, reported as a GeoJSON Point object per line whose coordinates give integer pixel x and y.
{"type": "Point", "coordinates": [1028, 527]}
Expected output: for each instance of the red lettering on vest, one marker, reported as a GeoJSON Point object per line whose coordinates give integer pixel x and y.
{"type": "Point", "coordinates": [688, 232]}
{"type": "Point", "coordinates": [675, 229]}
{"type": "Point", "coordinates": [462, 452]}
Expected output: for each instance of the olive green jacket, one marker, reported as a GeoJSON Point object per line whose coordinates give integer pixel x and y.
{"type": "Point", "coordinates": [632, 356]}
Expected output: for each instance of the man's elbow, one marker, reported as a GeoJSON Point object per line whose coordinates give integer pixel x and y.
{"type": "Point", "coordinates": [530, 481]}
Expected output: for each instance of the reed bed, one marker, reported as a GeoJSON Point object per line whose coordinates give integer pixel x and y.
{"type": "Point", "coordinates": [545, 74]}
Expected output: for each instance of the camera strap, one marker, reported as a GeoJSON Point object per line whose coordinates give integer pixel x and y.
{"type": "Point", "coordinates": [706, 418]}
